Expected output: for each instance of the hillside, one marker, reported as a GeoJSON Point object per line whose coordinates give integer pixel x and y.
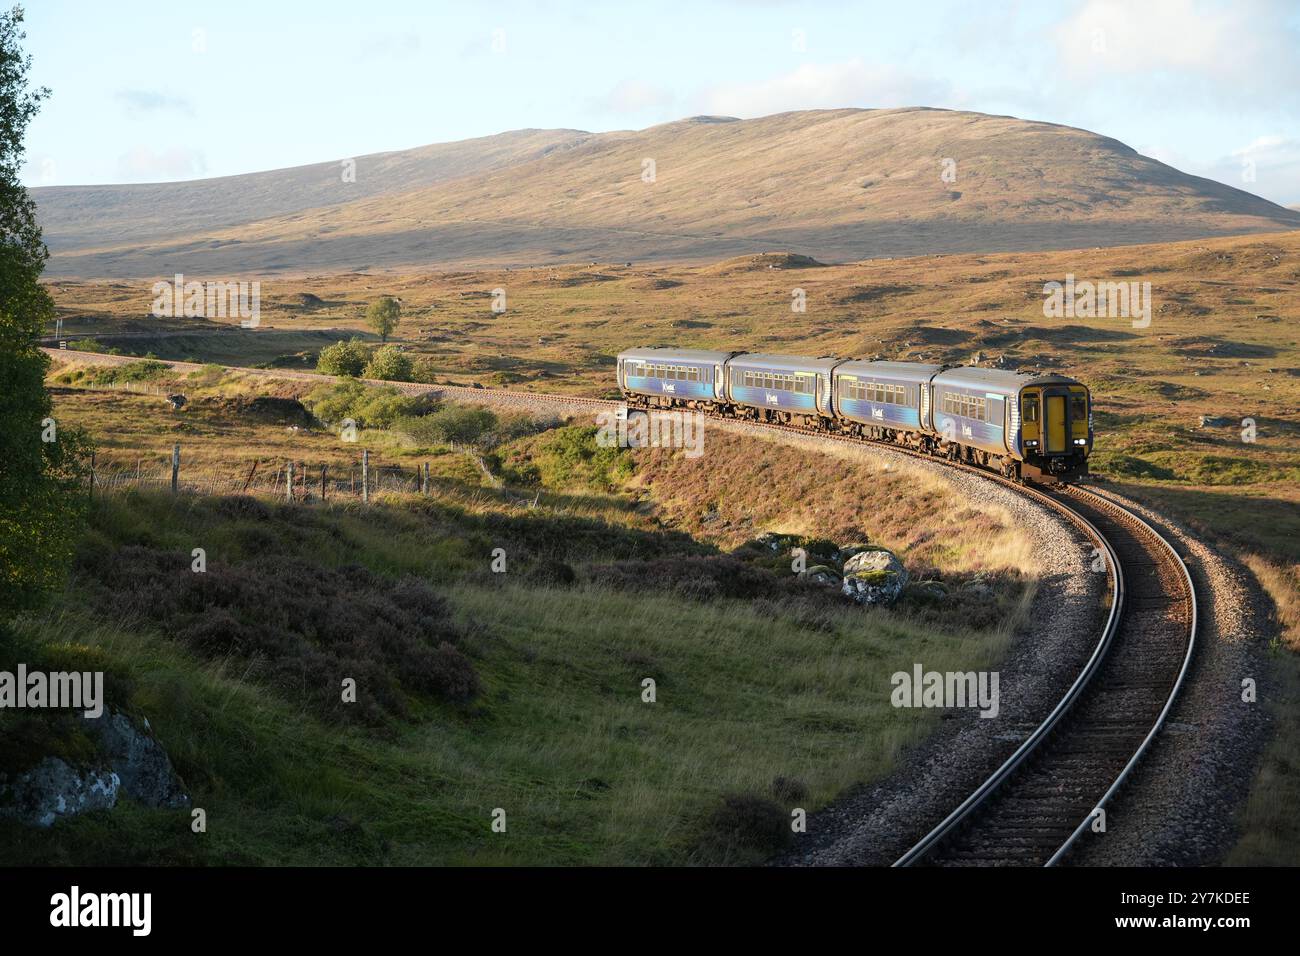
{"type": "Point", "coordinates": [838, 185]}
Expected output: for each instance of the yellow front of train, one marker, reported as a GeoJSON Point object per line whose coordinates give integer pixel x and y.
{"type": "Point", "coordinates": [1056, 429]}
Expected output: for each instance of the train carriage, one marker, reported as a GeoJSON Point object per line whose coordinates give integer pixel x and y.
{"type": "Point", "coordinates": [1026, 425]}
{"type": "Point", "coordinates": [781, 388]}
{"type": "Point", "coordinates": [667, 377]}
{"type": "Point", "coordinates": [881, 399]}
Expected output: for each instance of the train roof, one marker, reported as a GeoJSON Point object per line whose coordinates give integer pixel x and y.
{"type": "Point", "coordinates": [785, 363]}
{"type": "Point", "coordinates": [906, 371]}
{"type": "Point", "coordinates": [997, 378]}
{"type": "Point", "coordinates": [658, 354]}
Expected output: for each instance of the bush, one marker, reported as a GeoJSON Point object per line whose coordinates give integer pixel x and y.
{"type": "Point", "coordinates": [344, 358]}
{"type": "Point", "coordinates": [86, 345]}
{"type": "Point", "coordinates": [389, 363]}
{"type": "Point", "coordinates": [569, 457]}
{"type": "Point", "coordinates": [370, 406]}
{"type": "Point", "coordinates": [142, 371]}
{"type": "Point", "coordinates": [306, 625]}
{"type": "Point", "coordinates": [747, 824]}
{"type": "Point", "coordinates": [459, 424]}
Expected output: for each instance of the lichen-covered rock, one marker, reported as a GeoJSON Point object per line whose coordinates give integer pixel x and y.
{"type": "Point", "coordinates": [874, 577]}
{"type": "Point", "coordinates": [849, 550]}
{"type": "Point", "coordinates": [139, 761]}
{"type": "Point", "coordinates": [820, 574]}
{"type": "Point", "coordinates": [54, 789]}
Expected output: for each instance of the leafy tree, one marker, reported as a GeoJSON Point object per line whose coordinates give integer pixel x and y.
{"type": "Point", "coordinates": [382, 316]}
{"type": "Point", "coordinates": [344, 358]}
{"type": "Point", "coordinates": [40, 461]}
{"type": "Point", "coordinates": [389, 363]}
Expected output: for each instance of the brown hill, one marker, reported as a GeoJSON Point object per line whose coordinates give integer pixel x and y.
{"type": "Point", "coordinates": [833, 185]}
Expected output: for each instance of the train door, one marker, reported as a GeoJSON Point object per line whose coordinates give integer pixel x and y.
{"type": "Point", "coordinates": [718, 383]}
{"type": "Point", "coordinates": [1055, 424]}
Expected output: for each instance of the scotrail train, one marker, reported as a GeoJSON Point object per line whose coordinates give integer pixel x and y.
{"type": "Point", "coordinates": [1029, 427]}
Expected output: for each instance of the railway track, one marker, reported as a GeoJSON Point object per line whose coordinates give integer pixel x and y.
{"type": "Point", "coordinates": [1055, 789]}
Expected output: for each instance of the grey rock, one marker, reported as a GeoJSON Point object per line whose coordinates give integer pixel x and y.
{"type": "Point", "coordinates": [139, 761]}
{"type": "Point", "coordinates": [54, 789]}
{"type": "Point", "coordinates": [874, 577]}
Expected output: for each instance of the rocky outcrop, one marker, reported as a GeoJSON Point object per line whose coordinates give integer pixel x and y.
{"type": "Point", "coordinates": [141, 763]}
{"type": "Point", "coordinates": [54, 789]}
{"type": "Point", "coordinates": [874, 577]}
{"type": "Point", "coordinates": [128, 760]}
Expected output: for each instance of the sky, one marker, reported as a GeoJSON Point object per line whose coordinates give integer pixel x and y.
{"type": "Point", "coordinates": [146, 91]}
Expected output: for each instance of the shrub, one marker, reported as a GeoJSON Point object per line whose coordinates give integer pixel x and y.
{"type": "Point", "coordinates": [459, 424]}
{"type": "Point", "coordinates": [569, 457]}
{"type": "Point", "coordinates": [747, 824]}
{"type": "Point", "coordinates": [370, 406]}
{"type": "Point", "coordinates": [344, 358]}
{"type": "Point", "coordinates": [307, 626]}
{"type": "Point", "coordinates": [142, 371]}
{"type": "Point", "coordinates": [389, 363]}
{"type": "Point", "coordinates": [86, 345]}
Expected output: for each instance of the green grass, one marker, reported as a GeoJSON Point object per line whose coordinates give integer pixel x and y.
{"type": "Point", "coordinates": [560, 739]}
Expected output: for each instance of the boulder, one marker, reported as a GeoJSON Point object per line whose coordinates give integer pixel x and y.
{"type": "Point", "coordinates": [874, 577]}
{"type": "Point", "coordinates": [54, 789]}
{"type": "Point", "coordinates": [1209, 421]}
{"type": "Point", "coordinates": [128, 760]}
{"type": "Point", "coordinates": [820, 574]}
{"type": "Point", "coordinates": [139, 761]}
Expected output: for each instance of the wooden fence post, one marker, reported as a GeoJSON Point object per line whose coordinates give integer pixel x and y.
{"type": "Point", "coordinates": [288, 481]}
{"type": "Point", "coordinates": [365, 476]}
{"type": "Point", "coordinates": [323, 467]}
{"type": "Point", "coordinates": [92, 476]}
{"type": "Point", "coordinates": [176, 468]}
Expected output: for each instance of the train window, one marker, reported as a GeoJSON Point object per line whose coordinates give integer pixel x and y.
{"type": "Point", "coordinates": [1078, 407]}
{"type": "Point", "coordinates": [1031, 408]}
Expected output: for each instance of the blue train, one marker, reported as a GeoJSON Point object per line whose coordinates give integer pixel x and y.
{"type": "Point", "coordinates": [1032, 427]}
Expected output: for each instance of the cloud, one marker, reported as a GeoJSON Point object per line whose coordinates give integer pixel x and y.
{"type": "Point", "coordinates": [634, 96]}
{"type": "Point", "coordinates": [388, 46]}
{"type": "Point", "coordinates": [1243, 49]}
{"type": "Point", "coordinates": [143, 164]}
{"type": "Point", "coordinates": [140, 102]}
{"type": "Point", "coordinates": [826, 86]}
{"type": "Point", "coordinates": [1268, 166]}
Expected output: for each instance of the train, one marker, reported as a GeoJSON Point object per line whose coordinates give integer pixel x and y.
{"type": "Point", "coordinates": [1027, 427]}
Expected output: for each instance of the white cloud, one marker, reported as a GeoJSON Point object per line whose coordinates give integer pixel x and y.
{"type": "Point", "coordinates": [139, 102]}
{"type": "Point", "coordinates": [1268, 166]}
{"type": "Point", "coordinates": [635, 96]}
{"type": "Point", "coordinates": [826, 86]}
{"type": "Point", "coordinates": [1245, 48]}
{"type": "Point", "coordinates": [143, 164]}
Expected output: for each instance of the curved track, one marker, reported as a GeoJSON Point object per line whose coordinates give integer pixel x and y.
{"type": "Point", "coordinates": [1053, 791]}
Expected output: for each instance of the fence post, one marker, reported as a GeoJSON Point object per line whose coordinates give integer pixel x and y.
{"type": "Point", "coordinates": [288, 481]}
{"type": "Point", "coordinates": [176, 468]}
{"type": "Point", "coordinates": [424, 485]}
{"type": "Point", "coordinates": [92, 476]}
{"type": "Point", "coordinates": [322, 481]}
{"type": "Point", "coordinates": [365, 476]}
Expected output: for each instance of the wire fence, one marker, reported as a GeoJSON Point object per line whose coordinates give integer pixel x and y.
{"type": "Point", "coordinates": [293, 480]}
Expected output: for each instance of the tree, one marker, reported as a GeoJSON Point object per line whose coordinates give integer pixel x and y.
{"type": "Point", "coordinates": [382, 316]}
{"type": "Point", "coordinates": [344, 358]}
{"type": "Point", "coordinates": [389, 363]}
{"type": "Point", "coordinates": [40, 460]}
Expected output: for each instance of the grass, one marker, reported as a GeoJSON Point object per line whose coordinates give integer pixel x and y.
{"type": "Point", "coordinates": [560, 738]}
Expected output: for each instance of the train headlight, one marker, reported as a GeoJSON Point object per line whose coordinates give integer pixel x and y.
{"type": "Point", "coordinates": [1081, 441]}
{"type": "Point", "coordinates": [1032, 443]}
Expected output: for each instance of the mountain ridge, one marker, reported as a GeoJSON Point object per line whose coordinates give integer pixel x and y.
{"type": "Point", "coordinates": [838, 185]}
